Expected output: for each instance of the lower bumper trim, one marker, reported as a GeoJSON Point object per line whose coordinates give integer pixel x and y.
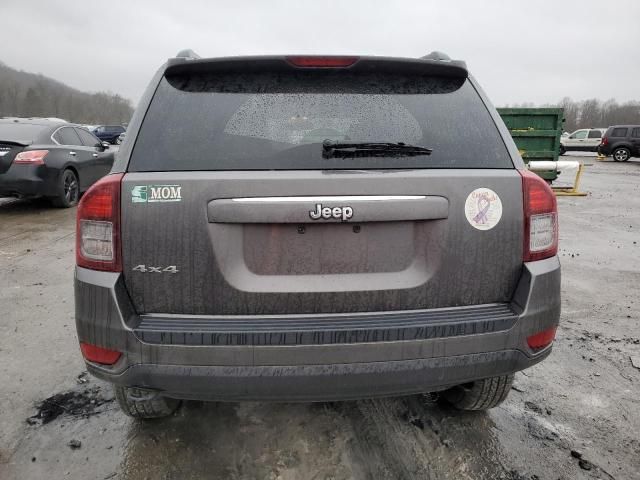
{"type": "Point", "coordinates": [320, 382]}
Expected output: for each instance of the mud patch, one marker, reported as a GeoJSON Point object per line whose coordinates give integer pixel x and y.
{"type": "Point", "coordinates": [76, 403]}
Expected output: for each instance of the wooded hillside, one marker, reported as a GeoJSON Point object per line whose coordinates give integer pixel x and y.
{"type": "Point", "coordinates": [24, 94]}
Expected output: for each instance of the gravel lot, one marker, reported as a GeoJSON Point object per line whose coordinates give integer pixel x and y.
{"type": "Point", "coordinates": [574, 416]}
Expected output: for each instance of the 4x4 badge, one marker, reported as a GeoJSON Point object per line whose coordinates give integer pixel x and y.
{"type": "Point", "coordinates": [156, 193]}
{"type": "Point", "coordinates": [339, 213]}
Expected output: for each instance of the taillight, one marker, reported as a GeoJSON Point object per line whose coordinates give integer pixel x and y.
{"type": "Point", "coordinates": [542, 339]}
{"type": "Point", "coordinates": [322, 61]}
{"type": "Point", "coordinates": [96, 354]}
{"type": "Point", "coordinates": [32, 157]}
{"type": "Point", "coordinates": [540, 218]}
{"type": "Point", "coordinates": [98, 226]}
{"type": "Point", "coordinates": [604, 141]}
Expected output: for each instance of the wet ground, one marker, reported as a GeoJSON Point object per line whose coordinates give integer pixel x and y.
{"type": "Point", "coordinates": [574, 416]}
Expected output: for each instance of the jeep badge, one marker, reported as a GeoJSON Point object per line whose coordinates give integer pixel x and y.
{"type": "Point", "coordinates": [339, 213]}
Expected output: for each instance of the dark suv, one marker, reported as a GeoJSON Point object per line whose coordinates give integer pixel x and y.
{"type": "Point", "coordinates": [315, 228]}
{"type": "Point", "coordinates": [109, 133]}
{"type": "Point", "coordinates": [621, 142]}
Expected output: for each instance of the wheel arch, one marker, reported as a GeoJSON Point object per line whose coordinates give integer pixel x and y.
{"type": "Point", "coordinates": [621, 144]}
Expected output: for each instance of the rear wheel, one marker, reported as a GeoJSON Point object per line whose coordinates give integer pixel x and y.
{"type": "Point", "coordinates": [140, 403]}
{"type": "Point", "coordinates": [481, 394]}
{"type": "Point", "coordinates": [621, 154]}
{"type": "Point", "coordinates": [68, 190]}
{"type": "Point", "coordinates": [562, 150]}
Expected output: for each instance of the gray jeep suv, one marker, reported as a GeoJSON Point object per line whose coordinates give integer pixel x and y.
{"type": "Point", "coordinates": [309, 228]}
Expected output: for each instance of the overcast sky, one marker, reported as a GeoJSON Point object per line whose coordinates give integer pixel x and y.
{"type": "Point", "coordinates": [536, 51]}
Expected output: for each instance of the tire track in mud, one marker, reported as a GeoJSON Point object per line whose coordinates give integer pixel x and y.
{"type": "Point", "coordinates": [413, 437]}
{"type": "Point", "coordinates": [384, 445]}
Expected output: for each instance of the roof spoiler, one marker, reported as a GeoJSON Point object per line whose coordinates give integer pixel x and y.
{"type": "Point", "coordinates": [436, 63]}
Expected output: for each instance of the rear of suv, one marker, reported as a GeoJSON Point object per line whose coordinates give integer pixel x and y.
{"type": "Point", "coordinates": [621, 142]}
{"type": "Point", "coordinates": [310, 228]}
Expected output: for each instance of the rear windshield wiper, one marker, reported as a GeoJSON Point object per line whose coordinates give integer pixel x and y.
{"type": "Point", "coordinates": [331, 149]}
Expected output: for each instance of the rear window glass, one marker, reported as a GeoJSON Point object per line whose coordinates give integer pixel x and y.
{"type": "Point", "coordinates": [20, 132]}
{"type": "Point", "coordinates": [619, 132]}
{"type": "Point", "coordinates": [273, 121]}
{"type": "Point", "coordinates": [635, 133]}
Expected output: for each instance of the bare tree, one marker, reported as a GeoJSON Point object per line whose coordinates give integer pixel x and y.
{"type": "Point", "coordinates": [595, 113]}
{"type": "Point", "coordinates": [571, 112]}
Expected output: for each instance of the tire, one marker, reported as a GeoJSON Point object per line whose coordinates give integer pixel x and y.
{"type": "Point", "coordinates": [562, 150]}
{"type": "Point", "coordinates": [68, 190]}
{"type": "Point", "coordinates": [139, 403]}
{"type": "Point", "coordinates": [481, 394]}
{"type": "Point", "coordinates": [621, 154]}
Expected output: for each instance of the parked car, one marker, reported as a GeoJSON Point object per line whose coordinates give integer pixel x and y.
{"type": "Point", "coordinates": [315, 228]}
{"type": "Point", "coordinates": [109, 133]}
{"type": "Point", "coordinates": [583, 140]}
{"type": "Point", "coordinates": [621, 142]}
{"type": "Point", "coordinates": [44, 158]}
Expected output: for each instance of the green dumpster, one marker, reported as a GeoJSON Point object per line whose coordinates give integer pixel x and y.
{"type": "Point", "coordinates": [536, 132]}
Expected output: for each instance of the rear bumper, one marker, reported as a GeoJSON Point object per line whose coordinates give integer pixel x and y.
{"type": "Point", "coordinates": [26, 181]}
{"type": "Point", "coordinates": [315, 357]}
{"type": "Point", "coordinates": [342, 381]}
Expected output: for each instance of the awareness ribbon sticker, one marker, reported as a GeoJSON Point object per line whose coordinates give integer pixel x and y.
{"type": "Point", "coordinates": [483, 209]}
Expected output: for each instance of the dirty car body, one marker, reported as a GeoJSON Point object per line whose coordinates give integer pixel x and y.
{"type": "Point", "coordinates": [254, 244]}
